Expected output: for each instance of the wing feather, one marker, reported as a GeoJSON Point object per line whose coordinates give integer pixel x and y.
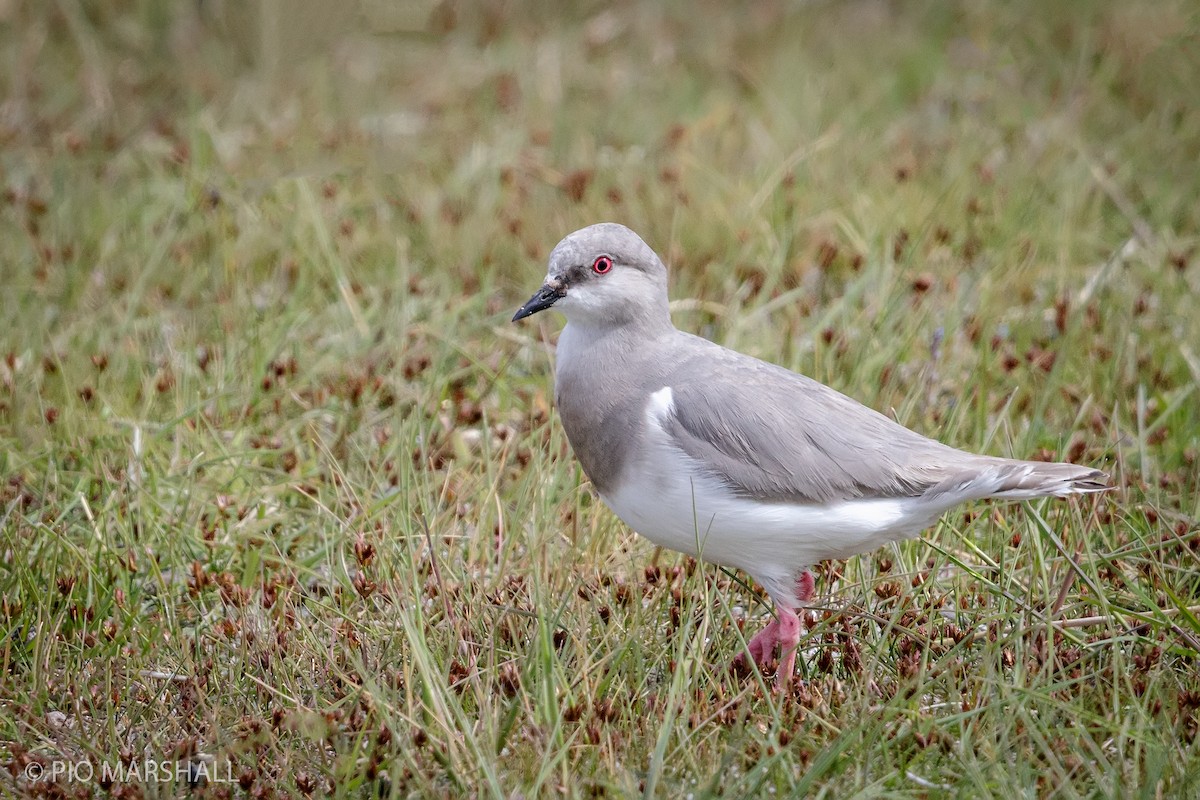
{"type": "Point", "coordinates": [772, 434]}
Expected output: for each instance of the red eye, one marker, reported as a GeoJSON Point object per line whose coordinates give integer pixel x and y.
{"type": "Point", "coordinates": [602, 265]}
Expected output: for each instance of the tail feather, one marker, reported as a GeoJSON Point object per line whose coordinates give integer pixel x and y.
{"type": "Point", "coordinates": [1021, 480]}
{"type": "Point", "coordinates": [1036, 479]}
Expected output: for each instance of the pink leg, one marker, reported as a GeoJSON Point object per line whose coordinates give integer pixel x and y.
{"type": "Point", "coordinates": [788, 637]}
{"type": "Point", "coordinates": [762, 646]}
{"type": "Point", "coordinates": [782, 632]}
{"type": "Point", "coordinates": [788, 634]}
{"type": "Point", "coordinates": [806, 584]}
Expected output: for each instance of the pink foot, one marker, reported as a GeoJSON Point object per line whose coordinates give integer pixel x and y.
{"type": "Point", "coordinates": [762, 646]}
{"type": "Point", "coordinates": [782, 633]}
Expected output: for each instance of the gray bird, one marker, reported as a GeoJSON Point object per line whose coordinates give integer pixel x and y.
{"type": "Point", "coordinates": [739, 462]}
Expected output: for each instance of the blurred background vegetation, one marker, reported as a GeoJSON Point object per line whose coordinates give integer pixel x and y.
{"type": "Point", "coordinates": [283, 489]}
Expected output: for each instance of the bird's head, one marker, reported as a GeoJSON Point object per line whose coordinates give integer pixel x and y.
{"type": "Point", "coordinates": [604, 274]}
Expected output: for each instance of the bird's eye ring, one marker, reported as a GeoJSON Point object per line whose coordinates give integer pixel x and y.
{"type": "Point", "coordinates": [602, 264]}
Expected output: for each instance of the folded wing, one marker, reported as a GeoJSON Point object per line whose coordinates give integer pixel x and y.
{"type": "Point", "coordinates": [774, 435]}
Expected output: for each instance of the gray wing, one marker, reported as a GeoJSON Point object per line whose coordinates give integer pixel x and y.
{"type": "Point", "coordinates": [775, 435]}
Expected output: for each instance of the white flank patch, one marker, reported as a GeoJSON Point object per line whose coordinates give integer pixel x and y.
{"type": "Point", "coordinates": [661, 405]}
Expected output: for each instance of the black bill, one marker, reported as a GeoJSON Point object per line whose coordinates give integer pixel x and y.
{"type": "Point", "coordinates": [542, 299]}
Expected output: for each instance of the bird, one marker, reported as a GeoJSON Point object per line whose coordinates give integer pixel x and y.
{"type": "Point", "coordinates": [738, 461]}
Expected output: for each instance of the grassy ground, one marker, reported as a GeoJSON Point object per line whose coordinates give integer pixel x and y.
{"type": "Point", "coordinates": [284, 492]}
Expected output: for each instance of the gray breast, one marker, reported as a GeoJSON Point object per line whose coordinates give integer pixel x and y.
{"type": "Point", "coordinates": [601, 400]}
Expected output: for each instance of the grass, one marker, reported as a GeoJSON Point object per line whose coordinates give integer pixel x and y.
{"type": "Point", "coordinates": [284, 492]}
